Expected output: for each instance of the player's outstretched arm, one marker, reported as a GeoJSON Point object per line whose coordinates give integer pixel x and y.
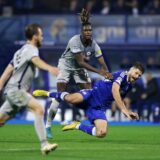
{"type": "Point", "coordinates": [43, 65]}
{"type": "Point", "coordinates": [5, 76]}
{"type": "Point", "coordinates": [120, 103]}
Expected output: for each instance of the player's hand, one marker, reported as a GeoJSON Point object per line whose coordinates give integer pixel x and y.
{"type": "Point", "coordinates": [131, 115]}
{"type": "Point", "coordinates": [134, 116]}
{"type": "Point", "coordinates": [109, 75]}
{"type": "Point", "coordinates": [105, 74]}
{"type": "Point", "coordinates": [54, 71]}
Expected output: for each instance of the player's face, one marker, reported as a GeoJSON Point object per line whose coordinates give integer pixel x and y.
{"type": "Point", "coordinates": [87, 32]}
{"type": "Point", "coordinates": [39, 37]}
{"type": "Point", "coordinates": [134, 74]}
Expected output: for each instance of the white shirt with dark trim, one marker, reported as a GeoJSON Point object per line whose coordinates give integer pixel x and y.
{"type": "Point", "coordinates": [24, 70]}
{"type": "Point", "coordinates": [76, 46]}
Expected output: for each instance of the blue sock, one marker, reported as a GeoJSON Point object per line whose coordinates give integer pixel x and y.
{"type": "Point", "coordinates": [58, 95]}
{"type": "Point", "coordinates": [88, 129]}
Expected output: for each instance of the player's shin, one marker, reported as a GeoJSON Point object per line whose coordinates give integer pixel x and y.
{"type": "Point", "coordinates": [52, 112]}
{"type": "Point", "coordinates": [58, 95]}
{"type": "Point", "coordinates": [88, 129]}
{"type": "Point", "coordinates": [40, 129]}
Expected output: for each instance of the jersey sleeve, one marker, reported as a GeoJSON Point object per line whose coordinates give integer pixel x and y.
{"type": "Point", "coordinates": [119, 77]}
{"type": "Point", "coordinates": [98, 52]}
{"type": "Point", "coordinates": [75, 46]}
{"type": "Point", "coordinates": [32, 52]}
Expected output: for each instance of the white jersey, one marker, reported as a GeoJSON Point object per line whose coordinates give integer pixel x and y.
{"type": "Point", "coordinates": [24, 70]}
{"type": "Point", "coordinates": [75, 46]}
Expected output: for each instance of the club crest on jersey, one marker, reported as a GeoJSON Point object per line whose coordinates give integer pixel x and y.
{"type": "Point", "coordinates": [88, 53]}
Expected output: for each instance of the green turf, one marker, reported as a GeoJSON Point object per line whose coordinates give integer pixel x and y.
{"type": "Point", "coordinates": [19, 142]}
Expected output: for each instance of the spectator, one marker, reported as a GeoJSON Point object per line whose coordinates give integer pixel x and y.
{"type": "Point", "coordinates": [150, 94]}
{"type": "Point", "coordinates": [134, 7]}
{"type": "Point", "coordinates": [106, 8]}
{"type": "Point", "coordinates": [153, 7]}
{"type": "Point", "coordinates": [120, 7]}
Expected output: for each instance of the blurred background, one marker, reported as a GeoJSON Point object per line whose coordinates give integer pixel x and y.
{"type": "Point", "coordinates": [126, 30]}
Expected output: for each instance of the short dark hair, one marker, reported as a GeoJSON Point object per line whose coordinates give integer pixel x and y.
{"type": "Point", "coordinates": [139, 66]}
{"type": "Point", "coordinates": [31, 30]}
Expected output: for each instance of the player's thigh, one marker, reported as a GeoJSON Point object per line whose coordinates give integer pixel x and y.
{"type": "Point", "coordinates": [64, 75]}
{"type": "Point", "coordinates": [101, 127]}
{"type": "Point", "coordinates": [19, 98]}
{"type": "Point", "coordinates": [35, 106]}
{"type": "Point", "coordinates": [81, 76]}
{"type": "Point", "coordinates": [84, 85]}
{"type": "Point", "coordinates": [6, 111]}
{"type": "Point", "coordinates": [74, 98]}
{"type": "Point", "coordinates": [61, 86]}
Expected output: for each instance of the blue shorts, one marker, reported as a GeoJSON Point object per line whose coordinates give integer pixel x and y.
{"type": "Point", "coordinates": [95, 113]}
{"type": "Point", "coordinates": [92, 106]}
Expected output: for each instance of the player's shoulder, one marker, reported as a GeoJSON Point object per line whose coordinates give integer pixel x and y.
{"type": "Point", "coordinates": [75, 38]}
{"type": "Point", "coordinates": [29, 47]}
{"type": "Point", "coordinates": [121, 73]}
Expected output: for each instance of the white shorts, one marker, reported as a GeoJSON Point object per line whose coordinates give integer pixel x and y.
{"type": "Point", "coordinates": [80, 76]}
{"type": "Point", "coordinates": [15, 100]}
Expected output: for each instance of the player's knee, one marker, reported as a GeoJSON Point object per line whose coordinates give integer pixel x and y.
{"type": "Point", "coordinates": [2, 124]}
{"type": "Point", "coordinates": [2, 121]}
{"type": "Point", "coordinates": [40, 111]}
{"type": "Point", "coordinates": [101, 133]}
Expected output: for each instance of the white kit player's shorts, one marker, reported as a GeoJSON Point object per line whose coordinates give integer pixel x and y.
{"type": "Point", "coordinates": [80, 76]}
{"type": "Point", "coordinates": [15, 100]}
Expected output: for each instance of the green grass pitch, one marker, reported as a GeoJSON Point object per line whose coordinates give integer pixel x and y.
{"type": "Point", "coordinates": [19, 142]}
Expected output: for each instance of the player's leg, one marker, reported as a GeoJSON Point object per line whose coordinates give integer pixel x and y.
{"type": "Point", "coordinates": [4, 110]}
{"type": "Point", "coordinates": [96, 117]}
{"type": "Point", "coordinates": [101, 128]}
{"type": "Point", "coordinates": [36, 108]}
{"type": "Point", "coordinates": [53, 110]}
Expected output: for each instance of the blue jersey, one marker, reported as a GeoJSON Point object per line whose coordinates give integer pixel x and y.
{"type": "Point", "coordinates": [101, 94]}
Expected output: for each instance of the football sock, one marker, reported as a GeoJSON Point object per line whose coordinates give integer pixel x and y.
{"type": "Point", "coordinates": [40, 129]}
{"type": "Point", "coordinates": [58, 95]}
{"type": "Point", "coordinates": [52, 112]}
{"type": "Point", "coordinates": [87, 129]}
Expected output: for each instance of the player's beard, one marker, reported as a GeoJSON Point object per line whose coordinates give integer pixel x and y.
{"type": "Point", "coordinates": [38, 44]}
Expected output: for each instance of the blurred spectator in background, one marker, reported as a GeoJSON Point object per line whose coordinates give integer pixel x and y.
{"type": "Point", "coordinates": [119, 7]}
{"type": "Point", "coordinates": [152, 64]}
{"type": "Point", "coordinates": [106, 7]}
{"type": "Point", "coordinates": [134, 7]}
{"type": "Point", "coordinates": [73, 8]}
{"type": "Point", "coordinates": [90, 5]}
{"type": "Point", "coordinates": [153, 7]}
{"type": "Point", "coordinates": [125, 64]}
{"type": "Point", "coordinates": [150, 95]}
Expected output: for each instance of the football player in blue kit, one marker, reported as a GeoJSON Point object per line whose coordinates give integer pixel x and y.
{"type": "Point", "coordinates": [98, 99]}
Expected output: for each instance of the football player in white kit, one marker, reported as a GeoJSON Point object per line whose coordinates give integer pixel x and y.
{"type": "Point", "coordinates": [17, 79]}
{"type": "Point", "coordinates": [73, 62]}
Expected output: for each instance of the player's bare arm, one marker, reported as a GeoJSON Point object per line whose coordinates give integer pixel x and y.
{"type": "Point", "coordinates": [82, 63]}
{"type": "Point", "coordinates": [120, 103]}
{"type": "Point", "coordinates": [5, 76]}
{"type": "Point", "coordinates": [43, 65]}
{"type": "Point", "coordinates": [104, 67]}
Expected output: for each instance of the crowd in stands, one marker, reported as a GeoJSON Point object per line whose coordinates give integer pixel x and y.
{"type": "Point", "coordinates": [105, 7]}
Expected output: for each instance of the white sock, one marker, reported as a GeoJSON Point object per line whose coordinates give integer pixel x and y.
{"type": "Point", "coordinates": [94, 131]}
{"type": "Point", "coordinates": [52, 112]}
{"type": "Point", "coordinates": [40, 129]}
{"type": "Point", "coordinates": [77, 126]}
